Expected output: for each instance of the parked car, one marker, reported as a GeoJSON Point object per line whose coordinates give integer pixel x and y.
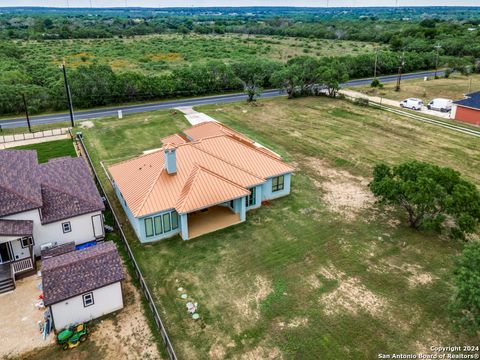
{"type": "Point", "coordinates": [412, 103]}
{"type": "Point", "coordinates": [443, 105]}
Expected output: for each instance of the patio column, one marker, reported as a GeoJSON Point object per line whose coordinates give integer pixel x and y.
{"type": "Point", "coordinates": [184, 226]}
{"type": "Point", "coordinates": [243, 209]}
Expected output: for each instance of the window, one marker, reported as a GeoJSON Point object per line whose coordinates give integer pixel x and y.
{"type": "Point", "coordinates": [67, 227]}
{"type": "Point", "coordinates": [26, 242]}
{"type": "Point", "coordinates": [88, 299]}
{"type": "Point", "coordinates": [174, 220]}
{"type": "Point", "coordinates": [251, 199]}
{"type": "Point", "coordinates": [278, 183]}
{"type": "Point", "coordinates": [158, 225]}
{"type": "Point", "coordinates": [166, 222]}
{"type": "Point", "coordinates": [148, 227]}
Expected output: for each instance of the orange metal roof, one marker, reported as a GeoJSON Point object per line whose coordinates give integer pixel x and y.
{"type": "Point", "coordinates": [204, 188]}
{"type": "Point", "coordinates": [207, 165]}
{"type": "Point", "coordinates": [173, 139]}
{"type": "Point", "coordinates": [212, 128]}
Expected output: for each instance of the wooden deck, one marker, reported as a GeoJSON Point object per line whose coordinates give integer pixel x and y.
{"type": "Point", "coordinates": [215, 218]}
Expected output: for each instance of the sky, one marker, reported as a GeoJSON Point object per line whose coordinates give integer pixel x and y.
{"type": "Point", "coordinates": [189, 3]}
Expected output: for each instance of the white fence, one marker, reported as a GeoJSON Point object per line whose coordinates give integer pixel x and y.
{"type": "Point", "coordinates": [4, 139]}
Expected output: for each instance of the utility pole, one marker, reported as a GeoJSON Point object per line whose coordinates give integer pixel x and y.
{"type": "Point", "coordinates": [399, 78]}
{"type": "Point", "coordinates": [26, 112]}
{"type": "Point", "coordinates": [436, 60]}
{"type": "Point", "coordinates": [376, 62]}
{"type": "Point", "coordinates": [69, 96]}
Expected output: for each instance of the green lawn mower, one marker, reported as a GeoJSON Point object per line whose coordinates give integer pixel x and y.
{"type": "Point", "coordinates": [73, 336]}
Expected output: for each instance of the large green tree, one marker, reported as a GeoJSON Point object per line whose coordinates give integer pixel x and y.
{"type": "Point", "coordinates": [254, 75]}
{"type": "Point", "coordinates": [433, 197]}
{"type": "Point", "coordinates": [466, 302]}
{"type": "Point", "coordinates": [332, 75]}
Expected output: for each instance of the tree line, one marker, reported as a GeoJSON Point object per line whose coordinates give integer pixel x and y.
{"type": "Point", "coordinates": [97, 85]}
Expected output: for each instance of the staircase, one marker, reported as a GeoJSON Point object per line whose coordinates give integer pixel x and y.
{"type": "Point", "coordinates": [7, 285]}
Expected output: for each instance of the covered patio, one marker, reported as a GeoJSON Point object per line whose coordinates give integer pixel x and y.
{"type": "Point", "coordinates": [211, 219]}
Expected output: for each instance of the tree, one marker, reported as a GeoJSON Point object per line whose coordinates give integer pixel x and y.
{"type": "Point", "coordinates": [287, 78]}
{"type": "Point", "coordinates": [332, 76]}
{"type": "Point", "coordinates": [254, 75]}
{"type": "Point", "coordinates": [430, 195]}
{"type": "Point", "coordinates": [298, 76]}
{"type": "Point", "coordinates": [466, 302]}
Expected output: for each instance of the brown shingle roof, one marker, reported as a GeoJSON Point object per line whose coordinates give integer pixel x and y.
{"type": "Point", "coordinates": [19, 191]}
{"type": "Point", "coordinates": [16, 227]}
{"type": "Point", "coordinates": [62, 188]}
{"type": "Point", "coordinates": [67, 189]}
{"type": "Point", "coordinates": [80, 271]}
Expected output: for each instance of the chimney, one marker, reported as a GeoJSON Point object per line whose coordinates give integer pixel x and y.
{"type": "Point", "coordinates": [170, 159]}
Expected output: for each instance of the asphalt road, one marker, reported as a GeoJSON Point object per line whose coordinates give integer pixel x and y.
{"type": "Point", "coordinates": [218, 99]}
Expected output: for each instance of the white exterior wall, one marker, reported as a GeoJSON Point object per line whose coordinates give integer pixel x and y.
{"type": "Point", "coordinates": [82, 229]}
{"type": "Point", "coordinates": [71, 311]}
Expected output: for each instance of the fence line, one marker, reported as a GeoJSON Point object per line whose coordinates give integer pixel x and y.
{"type": "Point", "coordinates": [34, 135]}
{"type": "Point", "coordinates": [145, 290]}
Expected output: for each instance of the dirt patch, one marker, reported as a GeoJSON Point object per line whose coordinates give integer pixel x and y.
{"type": "Point", "coordinates": [261, 352]}
{"type": "Point", "coordinates": [86, 124]}
{"type": "Point", "coordinates": [313, 281]}
{"type": "Point", "coordinates": [217, 351]}
{"type": "Point", "coordinates": [127, 335]}
{"type": "Point", "coordinates": [344, 193]}
{"type": "Point", "coordinates": [17, 309]}
{"type": "Point", "coordinates": [249, 305]}
{"type": "Point", "coordinates": [415, 274]}
{"type": "Point", "coordinates": [350, 295]}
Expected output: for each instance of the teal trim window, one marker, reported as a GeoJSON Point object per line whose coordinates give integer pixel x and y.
{"type": "Point", "coordinates": [174, 220]}
{"type": "Point", "coordinates": [161, 224]}
{"type": "Point", "coordinates": [166, 222]}
{"type": "Point", "coordinates": [278, 183]}
{"type": "Point", "coordinates": [251, 199]}
{"type": "Point", "coordinates": [158, 225]}
{"type": "Point", "coordinates": [149, 227]}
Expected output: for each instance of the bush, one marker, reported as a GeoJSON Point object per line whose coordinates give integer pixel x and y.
{"type": "Point", "coordinates": [466, 302]}
{"type": "Point", "coordinates": [375, 83]}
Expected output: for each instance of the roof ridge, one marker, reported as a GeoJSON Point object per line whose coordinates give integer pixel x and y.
{"type": "Point", "coordinates": [21, 196]}
{"type": "Point", "coordinates": [221, 177]}
{"type": "Point", "coordinates": [66, 193]}
{"type": "Point", "coordinates": [229, 163]}
{"type": "Point", "coordinates": [187, 186]}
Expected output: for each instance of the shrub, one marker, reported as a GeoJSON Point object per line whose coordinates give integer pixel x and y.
{"type": "Point", "coordinates": [466, 302]}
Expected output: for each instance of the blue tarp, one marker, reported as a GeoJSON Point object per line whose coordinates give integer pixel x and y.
{"type": "Point", "coordinates": [85, 245]}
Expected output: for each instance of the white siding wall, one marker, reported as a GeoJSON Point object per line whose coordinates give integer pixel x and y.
{"type": "Point", "coordinates": [106, 300]}
{"type": "Point", "coordinates": [82, 229]}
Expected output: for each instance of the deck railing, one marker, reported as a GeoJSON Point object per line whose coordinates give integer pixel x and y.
{"type": "Point", "coordinates": [23, 265]}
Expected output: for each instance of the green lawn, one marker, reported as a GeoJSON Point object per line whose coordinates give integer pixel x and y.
{"type": "Point", "coordinates": [50, 149]}
{"type": "Point", "coordinates": [322, 272]}
{"type": "Point", "coordinates": [452, 88]}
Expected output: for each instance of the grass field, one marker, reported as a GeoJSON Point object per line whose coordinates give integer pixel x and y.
{"type": "Point", "coordinates": [51, 149]}
{"type": "Point", "coordinates": [154, 53]}
{"type": "Point", "coordinates": [452, 88]}
{"type": "Point", "coordinates": [322, 273]}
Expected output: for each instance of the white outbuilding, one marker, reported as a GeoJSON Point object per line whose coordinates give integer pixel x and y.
{"type": "Point", "coordinates": [83, 285]}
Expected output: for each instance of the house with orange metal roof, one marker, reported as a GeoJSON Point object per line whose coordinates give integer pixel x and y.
{"type": "Point", "coordinates": [204, 179]}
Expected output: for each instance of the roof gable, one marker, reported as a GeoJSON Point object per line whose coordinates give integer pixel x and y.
{"type": "Point", "coordinates": [204, 188]}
